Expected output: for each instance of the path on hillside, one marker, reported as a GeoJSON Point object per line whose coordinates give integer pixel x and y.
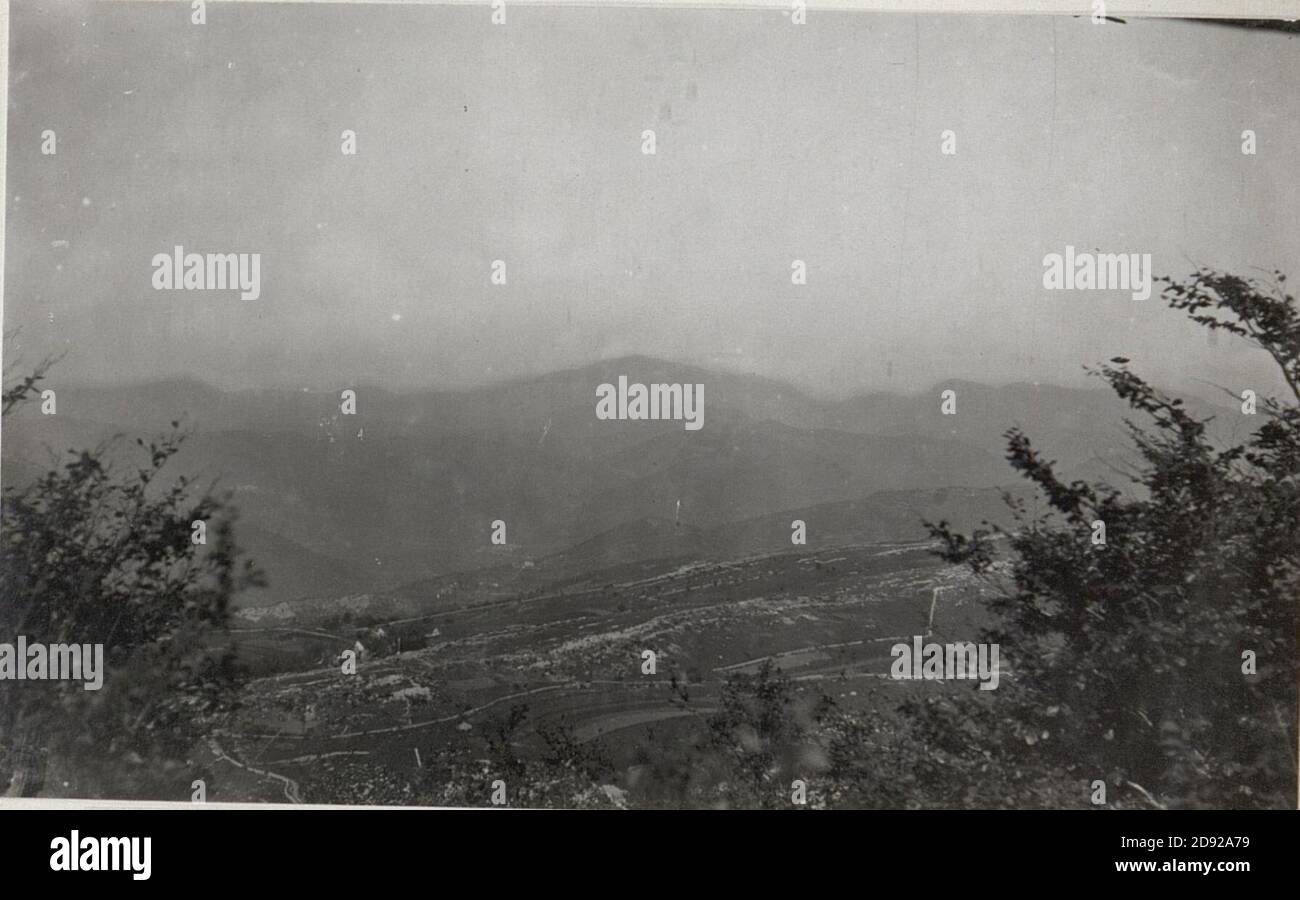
{"type": "Point", "coordinates": [290, 786]}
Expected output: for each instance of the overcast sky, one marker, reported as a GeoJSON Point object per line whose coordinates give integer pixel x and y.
{"type": "Point", "coordinates": [523, 142]}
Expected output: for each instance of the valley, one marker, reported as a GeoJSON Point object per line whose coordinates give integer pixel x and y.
{"type": "Point", "coordinates": [645, 567]}
{"type": "Point", "coordinates": [573, 656]}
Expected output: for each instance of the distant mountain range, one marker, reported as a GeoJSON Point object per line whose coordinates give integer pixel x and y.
{"type": "Point", "coordinates": [407, 488]}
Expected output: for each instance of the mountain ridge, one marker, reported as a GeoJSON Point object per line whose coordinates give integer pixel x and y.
{"type": "Point", "coordinates": [409, 486]}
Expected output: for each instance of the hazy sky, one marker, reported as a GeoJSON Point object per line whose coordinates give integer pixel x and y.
{"type": "Point", "coordinates": [523, 143]}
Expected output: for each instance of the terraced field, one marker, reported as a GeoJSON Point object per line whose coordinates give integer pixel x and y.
{"type": "Point", "coordinates": [575, 656]}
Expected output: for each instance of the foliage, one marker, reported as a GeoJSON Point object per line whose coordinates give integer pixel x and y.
{"type": "Point", "coordinates": [1128, 657]}
{"type": "Point", "coordinates": [91, 555]}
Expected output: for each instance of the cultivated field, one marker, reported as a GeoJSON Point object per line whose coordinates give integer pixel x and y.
{"type": "Point", "coordinates": [574, 656]}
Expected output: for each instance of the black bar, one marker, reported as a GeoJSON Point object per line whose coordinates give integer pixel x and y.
{"type": "Point", "coordinates": [363, 849]}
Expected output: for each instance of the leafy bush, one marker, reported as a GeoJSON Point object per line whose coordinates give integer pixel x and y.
{"type": "Point", "coordinates": [1130, 659]}
{"type": "Point", "coordinates": [89, 555]}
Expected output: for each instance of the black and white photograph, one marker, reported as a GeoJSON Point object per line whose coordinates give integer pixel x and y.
{"type": "Point", "coordinates": [650, 407]}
